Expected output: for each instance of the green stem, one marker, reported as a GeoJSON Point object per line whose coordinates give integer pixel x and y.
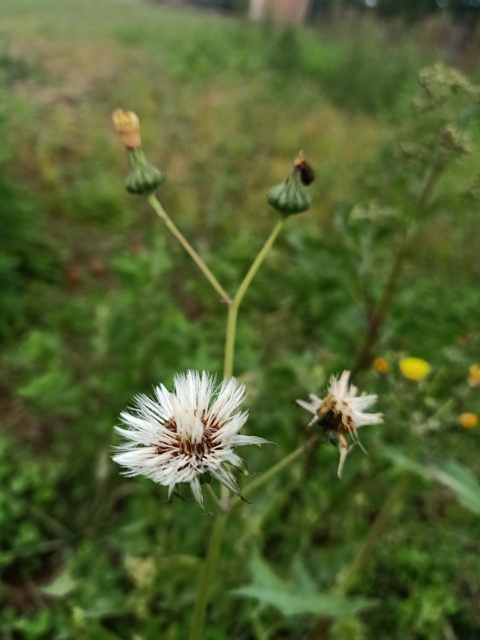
{"type": "Point", "coordinates": [216, 536]}
{"type": "Point", "coordinates": [160, 211]}
{"type": "Point", "coordinates": [242, 290]}
{"type": "Point", "coordinates": [230, 340]}
{"type": "Point", "coordinates": [378, 318]}
{"type": "Point", "coordinates": [373, 536]}
{"type": "Point", "coordinates": [209, 568]}
{"type": "Point", "coordinates": [284, 462]}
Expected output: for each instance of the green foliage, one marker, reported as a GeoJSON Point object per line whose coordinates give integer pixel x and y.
{"type": "Point", "coordinates": [296, 598]}
{"type": "Point", "coordinates": [345, 72]}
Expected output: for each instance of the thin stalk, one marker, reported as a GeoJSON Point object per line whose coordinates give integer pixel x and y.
{"type": "Point", "coordinates": [320, 632]}
{"type": "Point", "coordinates": [242, 290]}
{"type": "Point", "coordinates": [209, 568]}
{"type": "Point", "coordinates": [160, 211]}
{"type": "Point", "coordinates": [378, 317]}
{"type": "Point", "coordinates": [216, 536]}
{"type": "Point", "coordinates": [373, 536]}
{"type": "Point", "coordinates": [230, 340]}
{"type": "Point", "coordinates": [270, 473]}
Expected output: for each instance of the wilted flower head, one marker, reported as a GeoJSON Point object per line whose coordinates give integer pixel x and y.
{"type": "Point", "coordinates": [341, 413]}
{"type": "Point", "coordinates": [178, 436]}
{"type": "Point", "coordinates": [127, 125]}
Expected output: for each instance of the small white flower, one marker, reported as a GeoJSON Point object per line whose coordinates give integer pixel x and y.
{"type": "Point", "coordinates": [178, 436]}
{"type": "Point", "coordinates": [341, 413]}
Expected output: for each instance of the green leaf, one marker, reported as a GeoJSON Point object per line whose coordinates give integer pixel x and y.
{"type": "Point", "coordinates": [292, 599]}
{"type": "Point", "coordinates": [459, 479]}
{"type": "Point", "coordinates": [318, 604]}
{"type": "Point", "coordinates": [61, 586]}
{"type": "Point", "coordinates": [404, 463]}
{"type": "Point", "coordinates": [462, 482]}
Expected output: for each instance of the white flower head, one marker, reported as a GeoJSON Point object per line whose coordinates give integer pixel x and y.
{"type": "Point", "coordinates": [341, 413]}
{"type": "Point", "coordinates": [178, 436]}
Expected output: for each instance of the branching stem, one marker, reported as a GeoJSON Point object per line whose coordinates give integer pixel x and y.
{"type": "Point", "coordinates": [242, 290]}
{"type": "Point", "coordinates": [160, 211]}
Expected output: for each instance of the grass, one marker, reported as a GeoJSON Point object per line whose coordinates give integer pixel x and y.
{"type": "Point", "coordinates": [98, 304]}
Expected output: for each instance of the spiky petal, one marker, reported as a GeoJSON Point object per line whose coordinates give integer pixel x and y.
{"type": "Point", "coordinates": [178, 436]}
{"type": "Point", "coordinates": [345, 411]}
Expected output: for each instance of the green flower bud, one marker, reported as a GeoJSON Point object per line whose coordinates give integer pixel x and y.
{"type": "Point", "coordinates": [144, 178]}
{"type": "Point", "coordinates": [289, 197]}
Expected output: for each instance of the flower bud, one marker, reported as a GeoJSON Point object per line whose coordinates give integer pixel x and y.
{"type": "Point", "coordinates": [289, 197]}
{"type": "Point", "coordinates": [127, 125]}
{"type": "Point", "coordinates": [144, 178]}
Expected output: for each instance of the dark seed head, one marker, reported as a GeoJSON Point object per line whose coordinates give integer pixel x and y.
{"type": "Point", "coordinates": [307, 174]}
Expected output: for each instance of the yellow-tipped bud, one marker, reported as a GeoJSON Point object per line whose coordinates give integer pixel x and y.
{"type": "Point", "coordinates": [127, 125]}
{"type": "Point", "coordinates": [468, 420]}
{"type": "Point", "coordinates": [381, 365]}
{"type": "Point", "coordinates": [414, 368]}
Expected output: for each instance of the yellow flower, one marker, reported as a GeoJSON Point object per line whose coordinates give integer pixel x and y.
{"type": "Point", "coordinates": [127, 125]}
{"type": "Point", "coordinates": [381, 365]}
{"type": "Point", "coordinates": [474, 375]}
{"type": "Point", "coordinates": [414, 368]}
{"type": "Point", "coordinates": [468, 420]}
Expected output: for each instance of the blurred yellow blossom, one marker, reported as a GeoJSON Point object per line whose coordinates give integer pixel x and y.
{"type": "Point", "coordinates": [382, 365]}
{"type": "Point", "coordinates": [468, 420]}
{"type": "Point", "coordinates": [474, 375]}
{"type": "Point", "coordinates": [414, 368]}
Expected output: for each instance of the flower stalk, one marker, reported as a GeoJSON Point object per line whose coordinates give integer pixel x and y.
{"type": "Point", "coordinates": [208, 571]}
{"type": "Point", "coordinates": [216, 536]}
{"type": "Point", "coordinates": [242, 290]}
{"type": "Point", "coordinates": [377, 319]}
{"type": "Point", "coordinates": [373, 536]}
{"type": "Point", "coordinates": [163, 215]}
{"type": "Point", "coordinates": [182, 435]}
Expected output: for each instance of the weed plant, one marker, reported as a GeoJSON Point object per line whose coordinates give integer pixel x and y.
{"type": "Point", "coordinates": [99, 304]}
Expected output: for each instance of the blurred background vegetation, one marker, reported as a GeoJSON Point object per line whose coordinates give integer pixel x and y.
{"type": "Point", "coordinates": [98, 304]}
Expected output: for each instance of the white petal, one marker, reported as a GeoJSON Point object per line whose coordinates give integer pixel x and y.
{"type": "Point", "coordinates": [226, 479]}
{"type": "Point", "coordinates": [165, 438]}
{"type": "Point", "coordinates": [197, 490]}
{"type": "Point", "coordinates": [308, 406]}
{"type": "Point", "coordinates": [241, 441]}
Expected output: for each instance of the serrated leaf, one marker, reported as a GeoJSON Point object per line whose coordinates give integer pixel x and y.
{"type": "Point", "coordinates": [318, 604]}
{"type": "Point", "coordinates": [302, 577]}
{"type": "Point", "coordinates": [262, 574]}
{"type": "Point", "coordinates": [293, 598]}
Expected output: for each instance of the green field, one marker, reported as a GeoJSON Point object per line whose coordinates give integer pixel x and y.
{"type": "Point", "coordinates": [99, 303]}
